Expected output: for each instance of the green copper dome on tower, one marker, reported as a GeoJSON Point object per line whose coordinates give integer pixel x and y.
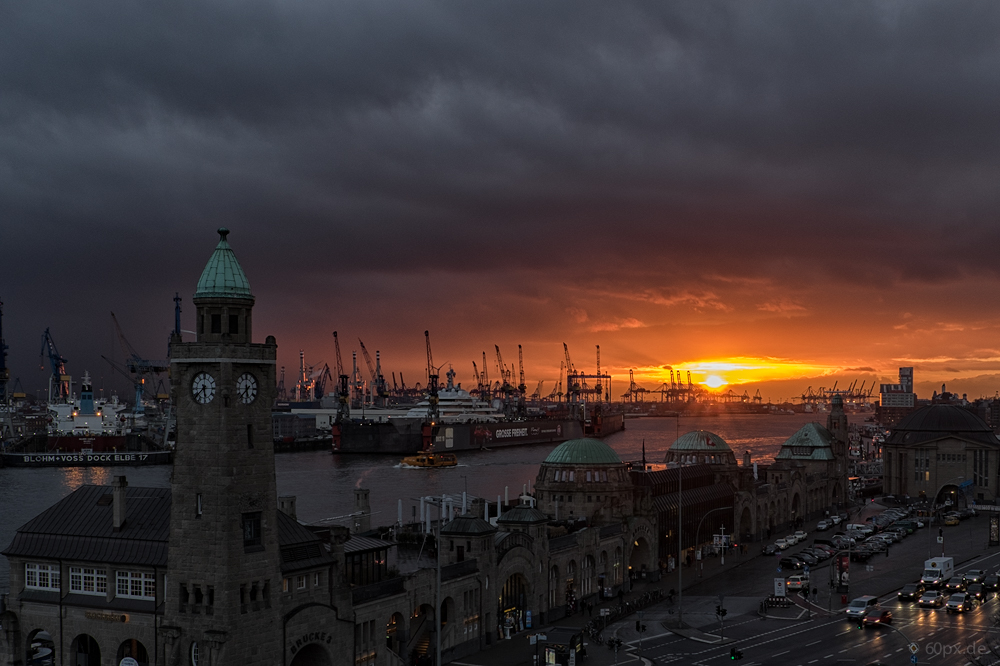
{"type": "Point", "coordinates": [223, 277]}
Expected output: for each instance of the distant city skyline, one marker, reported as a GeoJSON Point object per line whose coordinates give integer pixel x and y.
{"type": "Point", "coordinates": [730, 188]}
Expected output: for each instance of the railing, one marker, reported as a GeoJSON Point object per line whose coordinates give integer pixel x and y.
{"type": "Point", "coordinates": [383, 588]}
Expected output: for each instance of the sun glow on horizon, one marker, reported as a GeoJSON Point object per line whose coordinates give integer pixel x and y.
{"type": "Point", "coordinates": [717, 373]}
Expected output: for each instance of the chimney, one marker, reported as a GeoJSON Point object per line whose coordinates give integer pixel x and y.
{"type": "Point", "coordinates": [118, 502]}
{"type": "Point", "coordinates": [362, 522]}
{"type": "Point", "coordinates": [286, 505]}
{"type": "Point", "coordinates": [746, 459]}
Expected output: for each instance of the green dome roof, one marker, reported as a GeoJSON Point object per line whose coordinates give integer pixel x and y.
{"type": "Point", "coordinates": [583, 452]}
{"type": "Point", "coordinates": [223, 276]}
{"type": "Point", "coordinates": [699, 440]}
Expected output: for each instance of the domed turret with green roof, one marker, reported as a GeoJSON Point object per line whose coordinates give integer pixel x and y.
{"type": "Point", "coordinates": [223, 297]}
{"type": "Point", "coordinates": [700, 446]}
{"type": "Point", "coordinates": [585, 451]}
{"type": "Point", "coordinates": [223, 276]}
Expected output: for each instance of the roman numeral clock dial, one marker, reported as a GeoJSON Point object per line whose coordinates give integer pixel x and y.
{"type": "Point", "coordinates": [203, 388]}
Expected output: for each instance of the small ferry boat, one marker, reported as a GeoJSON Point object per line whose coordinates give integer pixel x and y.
{"type": "Point", "coordinates": [431, 460]}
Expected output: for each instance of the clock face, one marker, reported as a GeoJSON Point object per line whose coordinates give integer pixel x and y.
{"type": "Point", "coordinates": [246, 388]}
{"type": "Point", "coordinates": [203, 388]}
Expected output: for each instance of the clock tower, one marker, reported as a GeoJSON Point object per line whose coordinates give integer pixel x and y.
{"type": "Point", "coordinates": [223, 586]}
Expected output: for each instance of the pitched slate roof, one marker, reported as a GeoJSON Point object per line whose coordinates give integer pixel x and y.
{"type": "Point", "coordinates": [300, 548]}
{"type": "Point", "coordinates": [811, 442]}
{"type": "Point", "coordinates": [523, 513]}
{"type": "Point", "coordinates": [223, 276]}
{"type": "Point", "coordinates": [467, 525]}
{"type": "Point", "coordinates": [80, 527]}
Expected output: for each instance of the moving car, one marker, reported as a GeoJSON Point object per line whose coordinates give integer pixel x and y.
{"type": "Point", "coordinates": [932, 599]}
{"type": "Point", "coordinates": [877, 617]}
{"type": "Point", "coordinates": [910, 592]}
{"type": "Point", "coordinates": [799, 582]}
{"type": "Point", "coordinates": [822, 526]}
{"type": "Point", "coordinates": [861, 606]}
{"type": "Point", "coordinates": [974, 576]}
{"type": "Point", "coordinates": [978, 591]}
{"type": "Point", "coordinates": [960, 602]}
{"type": "Point", "coordinates": [991, 582]}
{"type": "Point", "coordinates": [955, 584]}
{"type": "Point", "coordinates": [951, 520]}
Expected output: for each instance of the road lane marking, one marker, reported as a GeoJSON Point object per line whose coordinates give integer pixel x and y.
{"type": "Point", "coordinates": [813, 643]}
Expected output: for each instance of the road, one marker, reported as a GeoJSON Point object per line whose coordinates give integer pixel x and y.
{"type": "Point", "coordinates": [828, 637]}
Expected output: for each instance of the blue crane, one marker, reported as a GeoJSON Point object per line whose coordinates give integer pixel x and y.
{"type": "Point", "coordinates": [59, 378]}
{"type": "Point", "coordinates": [138, 367]}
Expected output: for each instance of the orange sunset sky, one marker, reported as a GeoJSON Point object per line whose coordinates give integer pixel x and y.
{"type": "Point", "coordinates": [735, 189]}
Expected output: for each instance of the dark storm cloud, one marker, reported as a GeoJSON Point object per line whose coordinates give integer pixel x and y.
{"type": "Point", "coordinates": [682, 146]}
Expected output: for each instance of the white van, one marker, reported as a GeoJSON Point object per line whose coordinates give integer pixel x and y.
{"type": "Point", "coordinates": [859, 607]}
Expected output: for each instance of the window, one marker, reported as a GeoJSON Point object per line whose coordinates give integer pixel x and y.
{"type": "Point", "coordinates": [316, 580]}
{"type": "Point", "coordinates": [300, 583]}
{"type": "Point", "coordinates": [198, 505]}
{"type": "Point", "coordinates": [234, 324]}
{"type": "Point", "coordinates": [980, 468]}
{"type": "Point", "coordinates": [88, 581]}
{"type": "Point", "coordinates": [588, 477]}
{"type": "Point", "coordinates": [216, 323]}
{"type": "Point", "coordinates": [136, 585]}
{"type": "Point", "coordinates": [42, 576]}
{"type": "Point", "coordinates": [284, 585]}
{"type": "Point", "coordinates": [251, 530]}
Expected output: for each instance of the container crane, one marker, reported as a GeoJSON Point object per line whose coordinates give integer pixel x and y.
{"type": "Point", "coordinates": [282, 393]}
{"type": "Point", "coordinates": [520, 364]}
{"type": "Point", "coordinates": [377, 385]}
{"type": "Point", "coordinates": [58, 363]}
{"type": "Point", "coordinates": [600, 393]}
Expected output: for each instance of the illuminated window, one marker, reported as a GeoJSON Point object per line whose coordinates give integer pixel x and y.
{"type": "Point", "coordinates": [42, 576]}
{"type": "Point", "coordinates": [88, 581]}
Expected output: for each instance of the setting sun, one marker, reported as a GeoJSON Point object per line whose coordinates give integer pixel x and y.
{"type": "Point", "coordinates": [714, 381]}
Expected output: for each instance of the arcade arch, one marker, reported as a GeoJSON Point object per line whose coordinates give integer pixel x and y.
{"type": "Point", "coordinates": [84, 651]}
{"type": "Point", "coordinates": [312, 654]}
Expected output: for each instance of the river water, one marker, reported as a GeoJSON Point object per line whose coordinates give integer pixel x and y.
{"type": "Point", "coordinates": [324, 483]}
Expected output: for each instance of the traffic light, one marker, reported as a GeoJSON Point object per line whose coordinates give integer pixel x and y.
{"type": "Point", "coordinates": [861, 622]}
{"type": "Point", "coordinates": [735, 654]}
{"type": "Point", "coordinates": [638, 626]}
{"type": "Point", "coordinates": [718, 610]}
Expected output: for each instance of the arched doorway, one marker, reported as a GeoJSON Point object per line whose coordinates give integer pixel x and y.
{"type": "Point", "coordinates": [84, 651]}
{"type": "Point", "coordinates": [745, 530]}
{"type": "Point", "coordinates": [618, 565]}
{"type": "Point", "coordinates": [395, 633]}
{"type": "Point", "coordinates": [421, 624]}
{"type": "Point", "coordinates": [587, 579]}
{"type": "Point", "coordinates": [638, 560]}
{"type": "Point", "coordinates": [796, 509]}
{"type": "Point", "coordinates": [513, 608]}
{"type": "Point", "coordinates": [134, 649]}
{"type": "Point", "coordinates": [553, 586]}
{"type": "Point", "coordinates": [571, 586]}
{"type": "Point", "coordinates": [603, 578]}
{"type": "Point", "coordinates": [950, 496]}
{"type": "Point", "coordinates": [39, 648]}
{"type": "Point", "coordinates": [312, 654]}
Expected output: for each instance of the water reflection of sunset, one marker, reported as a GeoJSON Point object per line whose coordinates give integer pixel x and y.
{"type": "Point", "coordinates": [74, 477]}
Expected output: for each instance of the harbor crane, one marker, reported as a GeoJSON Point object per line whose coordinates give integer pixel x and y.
{"type": "Point", "coordinates": [282, 393]}
{"type": "Point", "coordinates": [432, 382]}
{"type": "Point", "coordinates": [4, 372]}
{"type": "Point", "coordinates": [57, 361]}
{"type": "Point", "coordinates": [138, 367]}
{"type": "Point", "coordinates": [377, 387]}
{"type": "Point", "coordinates": [485, 390]}
{"type": "Point", "coordinates": [520, 364]}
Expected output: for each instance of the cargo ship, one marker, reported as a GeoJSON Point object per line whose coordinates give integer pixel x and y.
{"type": "Point", "coordinates": [83, 433]}
{"type": "Point", "coordinates": [451, 419]}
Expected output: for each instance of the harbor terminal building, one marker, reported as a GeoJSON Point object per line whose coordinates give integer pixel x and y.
{"type": "Point", "coordinates": [218, 570]}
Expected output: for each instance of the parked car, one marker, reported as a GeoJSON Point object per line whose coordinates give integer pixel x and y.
{"type": "Point", "coordinates": [809, 559]}
{"type": "Point", "coordinates": [835, 520]}
{"type": "Point", "coordinates": [955, 584]}
{"type": "Point", "coordinates": [801, 536]}
{"type": "Point", "coordinates": [932, 599]}
{"type": "Point", "coordinates": [822, 526]}
{"type": "Point", "coordinates": [951, 519]}
{"type": "Point", "coordinates": [861, 555]}
{"type": "Point", "coordinates": [911, 592]}
{"type": "Point", "coordinates": [770, 549]}
{"type": "Point", "coordinates": [790, 563]}
{"type": "Point", "coordinates": [968, 512]}
{"type": "Point", "coordinates": [877, 617]}
{"type": "Point", "coordinates": [782, 544]}
{"type": "Point", "coordinates": [960, 602]}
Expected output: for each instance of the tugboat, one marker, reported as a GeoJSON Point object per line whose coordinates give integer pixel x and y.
{"type": "Point", "coordinates": [430, 459]}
